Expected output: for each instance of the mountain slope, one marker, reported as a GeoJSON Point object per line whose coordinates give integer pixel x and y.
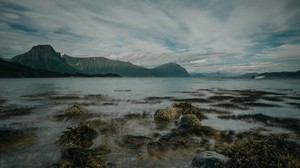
{"type": "Point", "coordinates": [12, 69]}
{"type": "Point", "coordinates": [95, 65]}
{"type": "Point", "coordinates": [44, 57]}
{"type": "Point", "coordinates": [171, 70]}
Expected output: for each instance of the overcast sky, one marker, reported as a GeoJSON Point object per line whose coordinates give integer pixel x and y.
{"type": "Point", "coordinates": [201, 35]}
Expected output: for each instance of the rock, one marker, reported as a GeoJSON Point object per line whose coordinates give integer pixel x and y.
{"type": "Point", "coordinates": [190, 121]}
{"type": "Point", "coordinates": [195, 111]}
{"type": "Point", "coordinates": [182, 105]}
{"type": "Point", "coordinates": [75, 110]}
{"type": "Point", "coordinates": [208, 159]}
{"type": "Point", "coordinates": [187, 108]}
{"type": "Point", "coordinates": [167, 114]}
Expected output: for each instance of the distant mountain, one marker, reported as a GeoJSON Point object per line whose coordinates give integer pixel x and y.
{"type": "Point", "coordinates": [171, 70]}
{"type": "Point", "coordinates": [281, 74]}
{"type": "Point", "coordinates": [197, 75]}
{"type": "Point", "coordinates": [249, 75]}
{"type": "Point", "coordinates": [273, 75]}
{"type": "Point", "coordinates": [93, 65]}
{"type": "Point", "coordinates": [44, 57]}
{"type": "Point", "coordinates": [213, 75]}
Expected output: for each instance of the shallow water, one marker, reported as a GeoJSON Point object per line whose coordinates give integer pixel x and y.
{"type": "Point", "coordinates": [51, 96]}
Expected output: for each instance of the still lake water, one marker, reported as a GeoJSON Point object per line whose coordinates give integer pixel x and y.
{"type": "Point", "coordinates": [51, 96]}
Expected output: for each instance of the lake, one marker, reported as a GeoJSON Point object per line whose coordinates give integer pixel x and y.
{"type": "Point", "coordinates": [32, 104]}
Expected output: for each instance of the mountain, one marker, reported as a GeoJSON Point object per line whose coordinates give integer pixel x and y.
{"type": "Point", "coordinates": [171, 70]}
{"type": "Point", "coordinates": [10, 69]}
{"type": "Point", "coordinates": [273, 75]}
{"type": "Point", "coordinates": [44, 57]}
{"type": "Point", "coordinates": [281, 74]}
{"type": "Point", "coordinates": [212, 75]}
{"type": "Point", "coordinates": [92, 65]}
{"type": "Point", "coordinates": [249, 75]}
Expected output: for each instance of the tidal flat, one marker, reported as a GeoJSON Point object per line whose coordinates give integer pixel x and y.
{"type": "Point", "coordinates": [146, 123]}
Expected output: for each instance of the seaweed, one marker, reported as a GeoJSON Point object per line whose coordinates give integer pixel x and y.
{"type": "Point", "coordinates": [14, 110]}
{"type": "Point", "coordinates": [41, 94]}
{"type": "Point", "coordinates": [273, 151]}
{"type": "Point", "coordinates": [80, 136]}
{"type": "Point", "coordinates": [133, 141]}
{"type": "Point", "coordinates": [258, 104]}
{"type": "Point", "coordinates": [13, 139]}
{"type": "Point", "coordinates": [220, 98]}
{"type": "Point", "coordinates": [288, 123]}
{"type": "Point", "coordinates": [193, 100]}
{"type": "Point", "coordinates": [231, 106]}
{"type": "Point", "coordinates": [136, 115]}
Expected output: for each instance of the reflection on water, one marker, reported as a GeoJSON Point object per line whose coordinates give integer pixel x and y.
{"type": "Point", "coordinates": [112, 98]}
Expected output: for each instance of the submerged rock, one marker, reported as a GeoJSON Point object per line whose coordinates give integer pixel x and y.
{"type": "Point", "coordinates": [208, 159]}
{"type": "Point", "coordinates": [189, 120]}
{"type": "Point", "coordinates": [167, 114]}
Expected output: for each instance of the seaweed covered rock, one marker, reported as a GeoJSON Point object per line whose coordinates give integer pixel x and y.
{"type": "Point", "coordinates": [80, 136]}
{"type": "Point", "coordinates": [189, 121]}
{"type": "Point", "coordinates": [75, 110]}
{"type": "Point", "coordinates": [167, 114]}
{"type": "Point", "coordinates": [176, 110]}
{"type": "Point", "coordinates": [208, 159]}
{"type": "Point", "coordinates": [273, 151]}
{"type": "Point", "coordinates": [182, 105]}
{"type": "Point", "coordinates": [188, 108]}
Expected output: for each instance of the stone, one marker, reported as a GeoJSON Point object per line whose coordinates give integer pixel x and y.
{"type": "Point", "coordinates": [167, 114]}
{"type": "Point", "coordinates": [190, 121]}
{"type": "Point", "coordinates": [182, 105]}
{"type": "Point", "coordinates": [208, 159]}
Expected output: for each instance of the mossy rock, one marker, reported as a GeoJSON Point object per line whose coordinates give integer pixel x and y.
{"type": "Point", "coordinates": [189, 120]}
{"type": "Point", "coordinates": [75, 110]}
{"type": "Point", "coordinates": [167, 114]}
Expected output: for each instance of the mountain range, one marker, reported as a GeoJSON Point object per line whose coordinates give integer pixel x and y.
{"type": "Point", "coordinates": [44, 57]}
{"type": "Point", "coordinates": [44, 61]}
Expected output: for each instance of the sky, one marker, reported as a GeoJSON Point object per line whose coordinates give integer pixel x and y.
{"type": "Point", "coordinates": [235, 36]}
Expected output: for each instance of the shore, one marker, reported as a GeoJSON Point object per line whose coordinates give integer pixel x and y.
{"type": "Point", "coordinates": [178, 134]}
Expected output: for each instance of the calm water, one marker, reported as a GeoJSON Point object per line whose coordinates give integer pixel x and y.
{"type": "Point", "coordinates": [121, 96]}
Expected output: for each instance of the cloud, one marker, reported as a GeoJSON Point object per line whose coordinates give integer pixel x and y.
{"type": "Point", "coordinates": [196, 34]}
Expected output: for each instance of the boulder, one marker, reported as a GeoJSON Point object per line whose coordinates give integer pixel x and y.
{"type": "Point", "coordinates": [208, 159]}
{"type": "Point", "coordinates": [167, 114]}
{"type": "Point", "coordinates": [188, 108]}
{"type": "Point", "coordinates": [75, 110]}
{"type": "Point", "coordinates": [190, 121]}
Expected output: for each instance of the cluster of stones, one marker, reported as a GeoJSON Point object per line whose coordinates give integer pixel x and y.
{"type": "Point", "coordinates": [190, 123]}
